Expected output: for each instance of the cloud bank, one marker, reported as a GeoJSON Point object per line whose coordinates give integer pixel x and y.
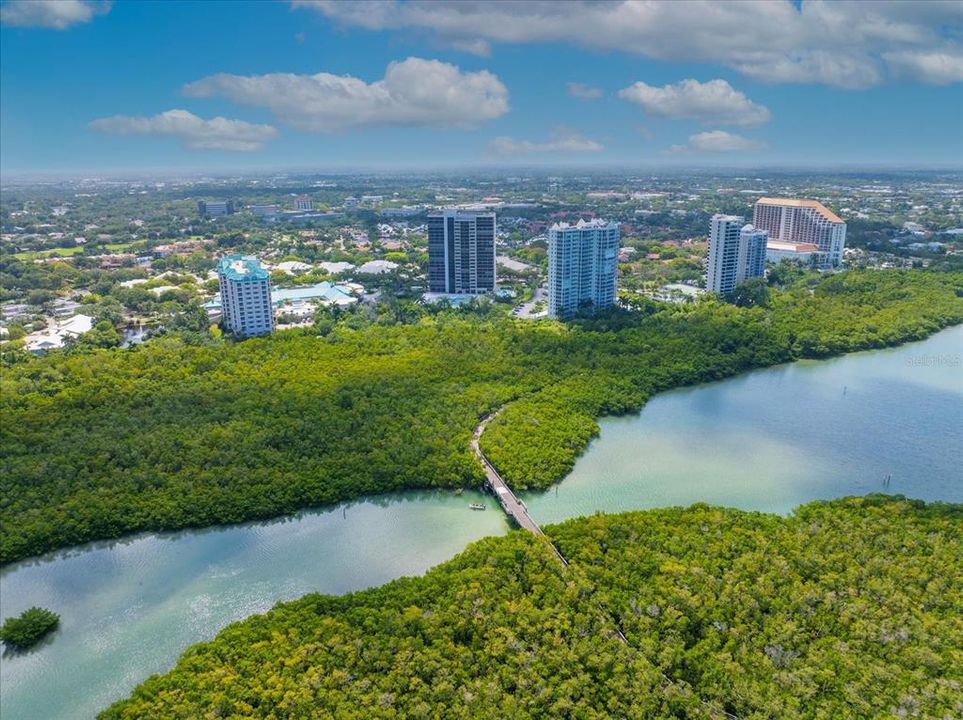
{"type": "Point", "coordinates": [196, 133]}
{"type": "Point", "coordinates": [843, 43]}
{"type": "Point", "coordinates": [713, 102]}
{"type": "Point", "coordinates": [54, 14]}
{"type": "Point", "coordinates": [413, 92]}
{"type": "Point", "coordinates": [716, 141]}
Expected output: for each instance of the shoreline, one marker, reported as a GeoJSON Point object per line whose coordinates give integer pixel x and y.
{"type": "Point", "coordinates": [70, 550]}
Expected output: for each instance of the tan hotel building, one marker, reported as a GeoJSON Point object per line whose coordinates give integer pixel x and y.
{"type": "Point", "coordinates": [802, 222]}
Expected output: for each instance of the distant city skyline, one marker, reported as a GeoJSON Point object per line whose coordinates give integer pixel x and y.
{"type": "Point", "coordinates": [93, 87]}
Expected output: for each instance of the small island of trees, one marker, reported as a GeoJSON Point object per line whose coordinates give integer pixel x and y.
{"type": "Point", "coordinates": [29, 628]}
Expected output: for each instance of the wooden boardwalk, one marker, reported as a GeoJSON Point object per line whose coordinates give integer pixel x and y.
{"type": "Point", "coordinates": [513, 507]}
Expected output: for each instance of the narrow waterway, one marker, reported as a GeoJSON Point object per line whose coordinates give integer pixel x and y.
{"type": "Point", "coordinates": [129, 608]}
{"type": "Point", "coordinates": [880, 421]}
{"type": "Point", "coordinates": [769, 440]}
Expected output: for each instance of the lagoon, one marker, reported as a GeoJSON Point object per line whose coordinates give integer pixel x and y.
{"type": "Point", "coordinates": [879, 421]}
{"type": "Point", "coordinates": [888, 421]}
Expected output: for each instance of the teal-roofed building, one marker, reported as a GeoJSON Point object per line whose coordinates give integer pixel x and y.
{"type": "Point", "coordinates": [323, 292]}
{"type": "Point", "coordinates": [245, 296]}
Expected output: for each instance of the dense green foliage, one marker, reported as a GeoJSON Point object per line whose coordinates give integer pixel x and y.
{"type": "Point", "coordinates": [173, 434]}
{"type": "Point", "coordinates": [28, 628]}
{"type": "Point", "coordinates": [849, 608]}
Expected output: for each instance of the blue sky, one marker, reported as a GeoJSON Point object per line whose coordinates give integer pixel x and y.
{"type": "Point", "coordinates": [98, 86]}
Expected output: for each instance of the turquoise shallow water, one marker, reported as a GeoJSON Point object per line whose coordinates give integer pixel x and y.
{"type": "Point", "coordinates": [129, 608]}
{"type": "Point", "coordinates": [776, 438]}
{"type": "Point", "coordinates": [768, 440]}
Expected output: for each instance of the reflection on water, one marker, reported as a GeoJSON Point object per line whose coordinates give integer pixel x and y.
{"type": "Point", "coordinates": [769, 440]}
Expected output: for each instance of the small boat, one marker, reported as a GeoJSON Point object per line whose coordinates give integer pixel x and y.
{"type": "Point", "coordinates": [477, 506]}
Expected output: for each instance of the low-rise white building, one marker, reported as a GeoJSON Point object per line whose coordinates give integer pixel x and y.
{"type": "Point", "coordinates": [55, 336]}
{"type": "Point", "coordinates": [805, 253]}
{"type": "Point", "coordinates": [337, 267]}
{"type": "Point", "coordinates": [378, 267]}
{"type": "Point", "coordinates": [293, 267]}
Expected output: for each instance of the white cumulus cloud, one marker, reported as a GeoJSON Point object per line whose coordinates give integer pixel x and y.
{"type": "Point", "coordinates": [843, 43]}
{"type": "Point", "coordinates": [560, 140]}
{"type": "Point", "coordinates": [939, 68]}
{"type": "Point", "coordinates": [713, 102]}
{"type": "Point", "coordinates": [196, 133]}
{"type": "Point", "coordinates": [55, 14]}
{"type": "Point", "coordinates": [412, 92]}
{"type": "Point", "coordinates": [583, 92]}
{"type": "Point", "coordinates": [716, 141]}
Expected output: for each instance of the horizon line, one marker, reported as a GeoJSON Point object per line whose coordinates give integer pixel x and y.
{"type": "Point", "coordinates": [475, 169]}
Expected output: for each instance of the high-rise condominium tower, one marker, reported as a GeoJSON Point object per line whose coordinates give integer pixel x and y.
{"type": "Point", "coordinates": [245, 296]}
{"type": "Point", "coordinates": [755, 241]}
{"type": "Point", "coordinates": [802, 221]}
{"type": "Point", "coordinates": [582, 262]}
{"type": "Point", "coordinates": [736, 252]}
{"type": "Point", "coordinates": [461, 252]}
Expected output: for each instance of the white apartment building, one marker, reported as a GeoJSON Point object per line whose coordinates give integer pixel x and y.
{"type": "Point", "coordinates": [737, 252]}
{"type": "Point", "coordinates": [803, 221]}
{"type": "Point", "coordinates": [245, 296]}
{"type": "Point", "coordinates": [303, 202]}
{"type": "Point", "coordinates": [582, 266]}
{"type": "Point", "coordinates": [726, 254]}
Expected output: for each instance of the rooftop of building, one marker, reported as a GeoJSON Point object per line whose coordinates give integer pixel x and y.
{"type": "Point", "coordinates": [323, 291]}
{"type": "Point", "coordinates": [791, 246]}
{"type": "Point", "coordinates": [478, 211]}
{"type": "Point", "coordinates": [377, 267]}
{"type": "Point", "coordinates": [54, 336]}
{"type": "Point", "coordinates": [791, 202]}
{"type": "Point", "coordinates": [241, 267]}
{"type": "Point", "coordinates": [337, 267]}
{"type": "Point", "coordinates": [583, 224]}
